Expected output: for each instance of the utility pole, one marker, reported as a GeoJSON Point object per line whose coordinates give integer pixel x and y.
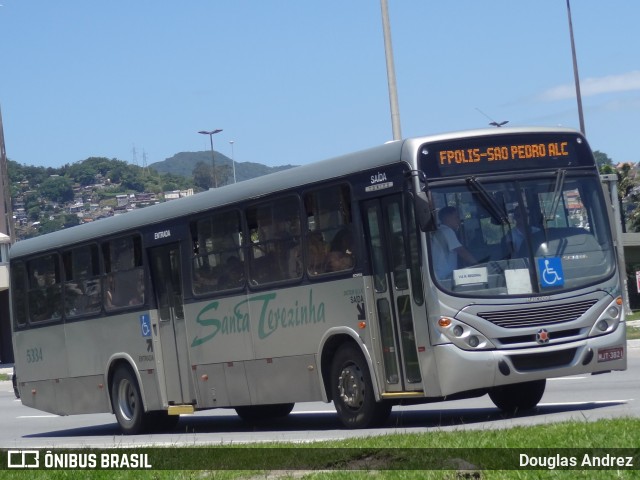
{"type": "Point", "coordinates": [391, 72]}
{"type": "Point", "coordinates": [7, 237]}
{"type": "Point", "coordinates": [6, 212]}
{"type": "Point", "coordinates": [575, 70]}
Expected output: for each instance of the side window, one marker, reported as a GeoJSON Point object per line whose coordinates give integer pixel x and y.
{"type": "Point", "coordinates": [218, 258]}
{"type": "Point", "coordinates": [124, 280]}
{"type": "Point", "coordinates": [83, 284]}
{"type": "Point", "coordinates": [329, 239]}
{"type": "Point", "coordinates": [44, 289]}
{"type": "Point", "coordinates": [19, 293]}
{"type": "Point", "coordinates": [274, 233]}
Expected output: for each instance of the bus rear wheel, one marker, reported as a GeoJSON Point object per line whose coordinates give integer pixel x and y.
{"type": "Point", "coordinates": [257, 413]}
{"type": "Point", "coordinates": [518, 396]}
{"type": "Point", "coordinates": [127, 402]}
{"type": "Point", "coordinates": [352, 391]}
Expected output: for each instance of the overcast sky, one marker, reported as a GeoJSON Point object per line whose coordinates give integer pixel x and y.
{"type": "Point", "coordinates": [295, 81]}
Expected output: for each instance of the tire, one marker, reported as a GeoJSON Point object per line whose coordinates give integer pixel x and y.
{"type": "Point", "coordinates": [518, 397]}
{"type": "Point", "coordinates": [352, 391]}
{"type": "Point", "coordinates": [127, 402]}
{"type": "Point", "coordinates": [257, 413]}
{"type": "Point", "coordinates": [14, 381]}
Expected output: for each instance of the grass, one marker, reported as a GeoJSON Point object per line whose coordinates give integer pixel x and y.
{"type": "Point", "coordinates": [633, 315]}
{"type": "Point", "coordinates": [633, 333]}
{"type": "Point", "coordinates": [396, 456]}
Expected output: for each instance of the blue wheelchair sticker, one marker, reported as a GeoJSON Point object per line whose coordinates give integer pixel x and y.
{"type": "Point", "coordinates": [145, 325]}
{"type": "Point", "coordinates": [550, 272]}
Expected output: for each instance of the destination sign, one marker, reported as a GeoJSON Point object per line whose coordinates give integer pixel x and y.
{"type": "Point", "coordinates": [502, 152]}
{"type": "Point", "coordinates": [499, 153]}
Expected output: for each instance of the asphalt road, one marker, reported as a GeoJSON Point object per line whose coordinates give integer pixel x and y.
{"type": "Point", "coordinates": [584, 398]}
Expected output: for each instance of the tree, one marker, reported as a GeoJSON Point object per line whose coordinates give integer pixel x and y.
{"type": "Point", "coordinates": [132, 181]}
{"type": "Point", "coordinates": [224, 174]}
{"type": "Point", "coordinates": [58, 223]}
{"type": "Point", "coordinates": [83, 173]}
{"type": "Point", "coordinates": [603, 161]}
{"type": "Point", "coordinates": [34, 213]}
{"type": "Point", "coordinates": [202, 176]}
{"type": "Point", "coordinates": [57, 189]}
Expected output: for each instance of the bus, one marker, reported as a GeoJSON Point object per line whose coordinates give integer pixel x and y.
{"type": "Point", "coordinates": [324, 282]}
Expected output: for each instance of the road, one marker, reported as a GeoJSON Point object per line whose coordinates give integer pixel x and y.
{"type": "Point", "coordinates": [584, 398]}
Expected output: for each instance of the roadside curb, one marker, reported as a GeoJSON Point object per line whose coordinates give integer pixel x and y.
{"type": "Point", "coordinates": [633, 344]}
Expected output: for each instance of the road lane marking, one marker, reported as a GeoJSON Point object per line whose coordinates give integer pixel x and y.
{"type": "Point", "coordinates": [312, 411]}
{"type": "Point", "coordinates": [38, 416]}
{"type": "Point", "coordinates": [597, 402]}
{"type": "Point", "coordinates": [567, 378]}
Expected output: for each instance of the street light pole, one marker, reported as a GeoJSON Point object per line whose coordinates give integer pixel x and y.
{"type": "Point", "coordinates": [233, 163]}
{"type": "Point", "coordinates": [575, 70]}
{"type": "Point", "coordinates": [391, 72]}
{"type": "Point", "coordinates": [213, 159]}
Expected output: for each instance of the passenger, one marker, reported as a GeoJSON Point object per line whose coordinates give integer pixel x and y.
{"type": "Point", "coordinates": [233, 275]}
{"type": "Point", "coordinates": [514, 239]}
{"type": "Point", "coordinates": [341, 255]}
{"type": "Point", "coordinates": [316, 253]}
{"type": "Point", "coordinates": [125, 283]}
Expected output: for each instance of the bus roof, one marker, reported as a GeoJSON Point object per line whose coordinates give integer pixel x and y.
{"type": "Point", "coordinates": [225, 195]}
{"type": "Point", "coordinates": [250, 189]}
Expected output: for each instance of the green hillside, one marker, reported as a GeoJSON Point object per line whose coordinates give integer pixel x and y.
{"type": "Point", "coordinates": [184, 163]}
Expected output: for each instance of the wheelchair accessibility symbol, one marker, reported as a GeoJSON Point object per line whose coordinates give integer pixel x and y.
{"type": "Point", "coordinates": [145, 325]}
{"type": "Point", "coordinates": [550, 272]}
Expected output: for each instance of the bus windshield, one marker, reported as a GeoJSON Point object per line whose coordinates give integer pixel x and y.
{"type": "Point", "coordinates": [541, 234]}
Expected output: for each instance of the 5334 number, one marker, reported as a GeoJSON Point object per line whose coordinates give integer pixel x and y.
{"type": "Point", "coordinates": [34, 355]}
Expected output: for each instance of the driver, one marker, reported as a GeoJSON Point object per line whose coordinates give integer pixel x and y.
{"type": "Point", "coordinates": [447, 249]}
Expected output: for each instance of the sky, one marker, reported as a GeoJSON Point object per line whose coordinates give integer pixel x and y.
{"type": "Point", "coordinates": [296, 81]}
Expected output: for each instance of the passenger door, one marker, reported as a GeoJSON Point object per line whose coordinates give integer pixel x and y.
{"type": "Point", "coordinates": [167, 284]}
{"type": "Point", "coordinates": [398, 291]}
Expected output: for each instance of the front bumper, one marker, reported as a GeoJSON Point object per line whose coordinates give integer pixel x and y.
{"type": "Point", "coordinates": [462, 370]}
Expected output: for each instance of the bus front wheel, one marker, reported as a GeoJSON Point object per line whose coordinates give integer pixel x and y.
{"type": "Point", "coordinates": [352, 391]}
{"type": "Point", "coordinates": [127, 402]}
{"type": "Point", "coordinates": [518, 396]}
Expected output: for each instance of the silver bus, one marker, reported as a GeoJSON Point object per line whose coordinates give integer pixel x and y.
{"type": "Point", "coordinates": [433, 268]}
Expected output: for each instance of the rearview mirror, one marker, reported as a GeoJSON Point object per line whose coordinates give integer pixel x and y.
{"type": "Point", "coordinates": [424, 212]}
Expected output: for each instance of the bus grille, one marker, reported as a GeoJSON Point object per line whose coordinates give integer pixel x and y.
{"type": "Point", "coordinates": [538, 316]}
{"type": "Point", "coordinates": [539, 361]}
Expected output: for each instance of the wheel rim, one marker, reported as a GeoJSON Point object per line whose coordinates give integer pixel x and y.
{"type": "Point", "coordinates": [127, 400]}
{"type": "Point", "coordinates": [351, 386]}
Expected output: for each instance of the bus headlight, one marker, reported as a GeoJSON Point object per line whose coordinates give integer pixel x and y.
{"type": "Point", "coordinates": [463, 335]}
{"type": "Point", "coordinates": [608, 321]}
{"type": "Point", "coordinates": [473, 341]}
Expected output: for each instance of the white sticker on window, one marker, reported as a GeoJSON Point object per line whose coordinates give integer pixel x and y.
{"type": "Point", "coordinates": [518, 281]}
{"type": "Point", "coordinates": [468, 276]}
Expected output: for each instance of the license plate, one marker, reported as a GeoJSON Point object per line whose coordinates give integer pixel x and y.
{"type": "Point", "coordinates": [609, 354]}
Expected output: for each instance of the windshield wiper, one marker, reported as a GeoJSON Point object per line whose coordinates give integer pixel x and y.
{"type": "Point", "coordinates": [488, 201]}
{"type": "Point", "coordinates": [557, 195]}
